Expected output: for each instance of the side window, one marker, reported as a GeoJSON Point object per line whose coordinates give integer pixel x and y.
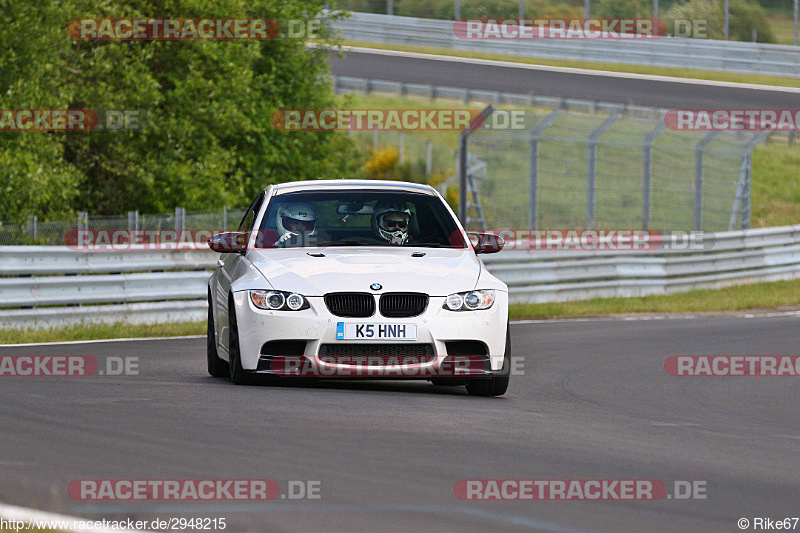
{"type": "Point", "coordinates": [250, 216]}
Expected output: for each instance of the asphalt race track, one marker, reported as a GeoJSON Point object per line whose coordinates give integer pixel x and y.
{"type": "Point", "coordinates": [610, 88]}
{"type": "Point", "coordinates": [594, 403]}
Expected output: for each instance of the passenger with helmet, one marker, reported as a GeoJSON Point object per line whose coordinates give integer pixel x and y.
{"type": "Point", "coordinates": [295, 221]}
{"type": "Point", "coordinates": [390, 221]}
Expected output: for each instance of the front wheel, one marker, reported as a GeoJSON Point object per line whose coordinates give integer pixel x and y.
{"type": "Point", "coordinates": [497, 385]}
{"type": "Point", "coordinates": [216, 366]}
{"type": "Point", "coordinates": [235, 370]}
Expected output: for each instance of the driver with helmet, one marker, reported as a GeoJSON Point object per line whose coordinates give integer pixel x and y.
{"type": "Point", "coordinates": [295, 222]}
{"type": "Point", "coordinates": [390, 222]}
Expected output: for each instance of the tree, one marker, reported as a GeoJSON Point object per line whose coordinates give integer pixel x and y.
{"type": "Point", "coordinates": [207, 141]}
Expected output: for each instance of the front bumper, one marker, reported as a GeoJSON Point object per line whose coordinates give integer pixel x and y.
{"type": "Point", "coordinates": [316, 327]}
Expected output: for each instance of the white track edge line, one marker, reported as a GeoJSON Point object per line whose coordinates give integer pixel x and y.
{"type": "Point", "coordinates": [95, 341]}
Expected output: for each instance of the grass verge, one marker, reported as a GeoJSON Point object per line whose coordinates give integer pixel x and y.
{"type": "Point", "coordinates": [711, 75]}
{"type": "Point", "coordinates": [101, 331]}
{"type": "Point", "coordinates": [753, 297]}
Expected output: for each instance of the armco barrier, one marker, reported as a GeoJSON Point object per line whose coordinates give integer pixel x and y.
{"type": "Point", "coordinates": [48, 286]}
{"type": "Point", "coordinates": [730, 56]}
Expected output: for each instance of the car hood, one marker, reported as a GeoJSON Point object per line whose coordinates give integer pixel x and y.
{"type": "Point", "coordinates": [438, 273]}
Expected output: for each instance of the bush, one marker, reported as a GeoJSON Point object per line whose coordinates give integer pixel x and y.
{"type": "Point", "coordinates": [622, 9]}
{"type": "Point", "coordinates": [745, 16]}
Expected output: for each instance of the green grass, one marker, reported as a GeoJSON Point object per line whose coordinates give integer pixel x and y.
{"type": "Point", "coordinates": [776, 187]}
{"type": "Point", "coordinates": [101, 331]}
{"type": "Point", "coordinates": [754, 297]}
{"type": "Point", "coordinates": [783, 28]}
{"type": "Point", "coordinates": [612, 67]}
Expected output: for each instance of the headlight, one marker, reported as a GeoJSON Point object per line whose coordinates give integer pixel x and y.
{"type": "Point", "coordinates": [469, 301]}
{"type": "Point", "coordinates": [279, 300]}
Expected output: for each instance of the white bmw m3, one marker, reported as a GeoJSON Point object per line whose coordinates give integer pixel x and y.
{"type": "Point", "coordinates": [356, 279]}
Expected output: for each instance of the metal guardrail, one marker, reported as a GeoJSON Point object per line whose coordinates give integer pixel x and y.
{"type": "Point", "coordinates": [85, 281]}
{"type": "Point", "coordinates": [730, 56]}
{"type": "Point", "coordinates": [55, 286]}
{"type": "Point", "coordinates": [344, 84]}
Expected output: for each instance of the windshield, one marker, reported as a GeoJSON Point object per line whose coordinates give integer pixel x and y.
{"type": "Point", "coordinates": [358, 218]}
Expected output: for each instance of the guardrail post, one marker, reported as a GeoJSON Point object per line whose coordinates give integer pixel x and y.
{"type": "Point", "coordinates": [533, 167]}
{"type": "Point", "coordinates": [698, 179]}
{"type": "Point", "coordinates": [591, 215]}
{"type": "Point", "coordinates": [647, 170]}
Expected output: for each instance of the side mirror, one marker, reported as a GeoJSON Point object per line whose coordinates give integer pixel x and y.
{"type": "Point", "coordinates": [486, 243]}
{"type": "Point", "coordinates": [230, 242]}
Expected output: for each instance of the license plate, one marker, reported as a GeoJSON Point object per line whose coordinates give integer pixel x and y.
{"type": "Point", "coordinates": [398, 332]}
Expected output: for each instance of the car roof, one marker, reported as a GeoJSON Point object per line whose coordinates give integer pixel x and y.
{"type": "Point", "coordinates": [345, 185]}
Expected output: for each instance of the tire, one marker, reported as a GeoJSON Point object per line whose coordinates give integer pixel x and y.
{"type": "Point", "coordinates": [216, 366]}
{"type": "Point", "coordinates": [235, 370]}
{"type": "Point", "coordinates": [497, 385]}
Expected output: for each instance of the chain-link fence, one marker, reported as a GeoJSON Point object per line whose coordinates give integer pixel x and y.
{"type": "Point", "coordinates": [593, 170]}
{"type": "Point", "coordinates": [55, 232]}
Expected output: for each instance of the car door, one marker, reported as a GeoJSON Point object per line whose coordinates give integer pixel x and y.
{"type": "Point", "coordinates": [228, 263]}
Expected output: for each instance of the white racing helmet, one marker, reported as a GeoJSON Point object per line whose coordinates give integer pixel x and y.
{"type": "Point", "coordinates": [394, 235]}
{"type": "Point", "coordinates": [295, 212]}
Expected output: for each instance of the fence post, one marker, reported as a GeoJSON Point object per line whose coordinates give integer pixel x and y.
{"type": "Point", "coordinates": [428, 158]}
{"type": "Point", "coordinates": [591, 194]}
{"type": "Point", "coordinates": [83, 220]}
{"type": "Point", "coordinates": [401, 142]}
{"type": "Point", "coordinates": [180, 218]}
{"type": "Point", "coordinates": [463, 146]}
{"type": "Point", "coordinates": [34, 226]}
{"type": "Point", "coordinates": [533, 167]}
{"type": "Point", "coordinates": [375, 139]}
{"type": "Point", "coordinates": [698, 179]}
{"type": "Point", "coordinates": [133, 220]}
{"type": "Point", "coordinates": [647, 171]}
{"type": "Point", "coordinates": [224, 217]}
